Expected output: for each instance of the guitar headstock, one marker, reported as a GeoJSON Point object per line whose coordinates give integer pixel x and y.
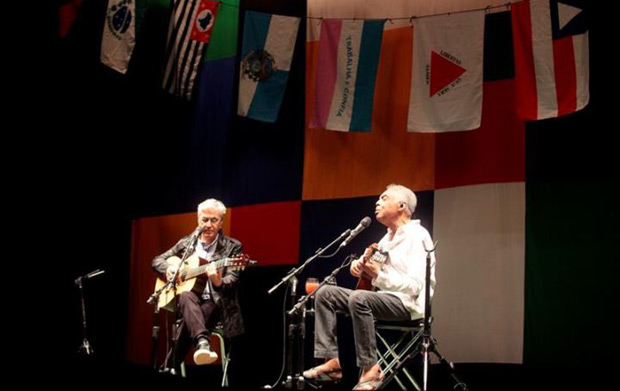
{"type": "Point", "coordinates": [378, 255]}
{"type": "Point", "coordinates": [240, 262]}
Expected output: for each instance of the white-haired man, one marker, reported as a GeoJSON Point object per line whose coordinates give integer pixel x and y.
{"type": "Point", "coordinates": [218, 302]}
{"type": "Point", "coordinates": [397, 294]}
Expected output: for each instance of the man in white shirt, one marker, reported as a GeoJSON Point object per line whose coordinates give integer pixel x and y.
{"type": "Point", "coordinates": [397, 294]}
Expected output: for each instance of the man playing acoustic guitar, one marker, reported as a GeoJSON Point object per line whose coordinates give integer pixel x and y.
{"type": "Point", "coordinates": [216, 297]}
{"type": "Point", "coordinates": [397, 290]}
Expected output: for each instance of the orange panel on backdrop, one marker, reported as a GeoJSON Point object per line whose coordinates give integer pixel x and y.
{"type": "Point", "coordinates": [343, 164]}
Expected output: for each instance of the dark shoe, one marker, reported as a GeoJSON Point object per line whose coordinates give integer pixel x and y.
{"type": "Point", "coordinates": [203, 354]}
{"type": "Point", "coordinates": [321, 375]}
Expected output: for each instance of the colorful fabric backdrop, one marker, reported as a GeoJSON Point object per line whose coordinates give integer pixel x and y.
{"type": "Point", "coordinates": [501, 199]}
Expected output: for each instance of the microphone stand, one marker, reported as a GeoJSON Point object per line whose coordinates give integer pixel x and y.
{"type": "Point", "coordinates": [154, 301]}
{"type": "Point", "coordinates": [301, 304]}
{"type": "Point", "coordinates": [429, 344]}
{"type": "Point", "coordinates": [85, 349]}
{"type": "Point", "coordinates": [297, 327]}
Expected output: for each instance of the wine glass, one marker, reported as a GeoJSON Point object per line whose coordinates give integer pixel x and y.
{"type": "Point", "coordinates": [311, 285]}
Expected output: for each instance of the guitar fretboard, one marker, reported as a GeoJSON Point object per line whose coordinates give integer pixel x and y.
{"type": "Point", "coordinates": [194, 272]}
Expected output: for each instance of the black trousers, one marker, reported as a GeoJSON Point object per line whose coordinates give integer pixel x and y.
{"type": "Point", "coordinates": [198, 315]}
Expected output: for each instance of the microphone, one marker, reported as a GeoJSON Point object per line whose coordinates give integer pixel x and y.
{"type": "Point", "coordinates": [193, 238]}
{"type": "Point", "coordinates": [94, 273]}
{"type": "Point", "coordinates": [365, 222]}
{"type": "Point", "coordinates": [197, 232]}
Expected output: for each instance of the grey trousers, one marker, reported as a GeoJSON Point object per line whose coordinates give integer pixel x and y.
{"type": "Point", "coordinates": [363, 307]}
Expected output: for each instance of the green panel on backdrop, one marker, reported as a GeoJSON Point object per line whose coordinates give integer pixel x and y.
{"type": "Point", "coordinates": [572, 271]}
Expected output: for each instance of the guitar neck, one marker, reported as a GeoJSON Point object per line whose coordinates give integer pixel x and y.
{"type": "Point", "coordinates": [195, 272]}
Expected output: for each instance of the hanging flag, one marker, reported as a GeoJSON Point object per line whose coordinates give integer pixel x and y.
{"type": "Point", "coordinates": [67, 13]}
{"type": "Point", "coordinates": [119, 34]}
{"type": "Point", "coordinates": [446, 79]}
{"type": "Point", "coordinates": [346, 73]}
{"type": "Point", "coordinates": [266, 55]}
{"type": "Point", "coordinates": [189, 33]}
{"type": "Point", "coordinates": [551, 58]}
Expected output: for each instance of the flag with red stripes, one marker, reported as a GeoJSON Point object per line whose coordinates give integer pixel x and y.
{"type": "Point", "coordinates": [189, 33]}
{"type": "Point", "coordinates": [551, 57]}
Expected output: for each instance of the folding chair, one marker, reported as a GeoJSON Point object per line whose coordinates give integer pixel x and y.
{"type": "Point", "coordinates": [393, 356]}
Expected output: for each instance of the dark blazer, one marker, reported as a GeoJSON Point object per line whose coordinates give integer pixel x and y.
{"type": "Point", "coordinates": [225, 296]}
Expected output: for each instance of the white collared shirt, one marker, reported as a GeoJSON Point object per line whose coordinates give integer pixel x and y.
{"type": "Point", "coordinates": [404, 272]}
{"type": "Point", "coordinates": [206, 251]}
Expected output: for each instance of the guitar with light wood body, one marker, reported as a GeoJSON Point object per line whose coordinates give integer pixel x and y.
{"type": "Point", "coordinates": [192, 276]}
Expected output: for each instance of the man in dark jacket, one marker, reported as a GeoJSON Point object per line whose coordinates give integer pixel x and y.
{"type": "Point", "coordinates": [218, 301]}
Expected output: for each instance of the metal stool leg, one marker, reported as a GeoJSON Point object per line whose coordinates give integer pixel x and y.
{"type": "Point", "coordinates": [224, 358]}
{"type": "Point", "coordinates": [169, 364]}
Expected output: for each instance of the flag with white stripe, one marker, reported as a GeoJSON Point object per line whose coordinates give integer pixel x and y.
{"type": "Point", "coordinates": [119, 34]}
{"type": "Point", "coordinates": [346, 72]}
{"type": "Point", "coordinates": [266, 55]}
{"type": "Point", "coordinates": [189, 33]}
{"type": "Point", "coordinates": [551, 57]}
{"type": "Point", "coordinates": [446, 78]}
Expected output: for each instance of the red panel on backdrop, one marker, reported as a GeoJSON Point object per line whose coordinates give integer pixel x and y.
{"type": "Point", "coordinates": [494, 153]}
{"type": "Point", "coordinates": [269, 232]}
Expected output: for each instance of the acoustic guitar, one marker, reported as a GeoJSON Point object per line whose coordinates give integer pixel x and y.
{"type": "Point", "coordinates": [192, 276]}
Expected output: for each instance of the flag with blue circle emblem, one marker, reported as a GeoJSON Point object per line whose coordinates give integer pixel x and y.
{"type": "Point", "coordinates": [119, 34]}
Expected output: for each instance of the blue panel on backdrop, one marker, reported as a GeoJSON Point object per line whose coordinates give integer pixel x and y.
{"type": "Point", "coordinates": [214, 100]}
{"type": "Point", "coordinates": [265, 160]}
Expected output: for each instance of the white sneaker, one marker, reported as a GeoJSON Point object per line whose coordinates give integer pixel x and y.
{"type": "Point", "coordinates": [203, 355]}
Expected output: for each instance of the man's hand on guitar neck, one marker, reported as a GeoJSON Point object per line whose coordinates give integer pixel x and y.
{"type": "Point", "coordinates": [214, 275]}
